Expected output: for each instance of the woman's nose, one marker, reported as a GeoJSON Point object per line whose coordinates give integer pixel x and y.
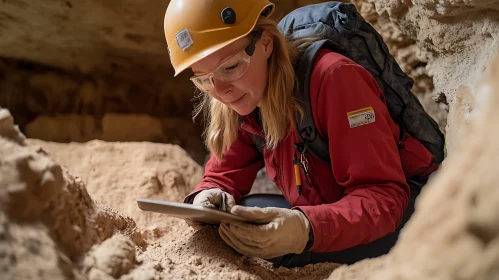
{"type": "Point", "coordinates": [221, 87]}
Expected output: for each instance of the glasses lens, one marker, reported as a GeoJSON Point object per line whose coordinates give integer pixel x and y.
{"type": "Point", "coordinates": [203, 83]}
{"type": "Point", "coordinates": [229, 71]}
{"type": "Point", "coordinates": [234, 68]}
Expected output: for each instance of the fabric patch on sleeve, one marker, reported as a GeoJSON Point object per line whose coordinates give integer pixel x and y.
{"type": "Point", "coordinates": [361, 117]}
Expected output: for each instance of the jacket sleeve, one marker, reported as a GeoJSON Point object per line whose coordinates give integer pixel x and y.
{"type": "Point", "coordinates": [364, 160]}
{"type": "Point", "coordinates": [235, 172]}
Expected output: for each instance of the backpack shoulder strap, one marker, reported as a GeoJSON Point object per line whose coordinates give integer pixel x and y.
{"type": "Point", "coordinates": [305, 127]}
{"type": "Point", "coordinates": [258, 140]}
{"type": "Point", "coordinates": [350, 35]}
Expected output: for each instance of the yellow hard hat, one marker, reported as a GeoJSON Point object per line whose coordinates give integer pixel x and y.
{"type": "Point", "coordinates": [196, 28]}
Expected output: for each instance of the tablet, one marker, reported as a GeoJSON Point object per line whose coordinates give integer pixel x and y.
{"type": "Point", "coordinates": [198, 213]}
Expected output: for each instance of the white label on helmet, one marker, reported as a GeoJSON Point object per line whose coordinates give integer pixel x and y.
{"type": "Point", "coordinates": [361, 117]}
{"type": "Point", "coordinates": [184, 39]}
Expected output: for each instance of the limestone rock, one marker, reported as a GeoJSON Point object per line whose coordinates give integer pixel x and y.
{"type": "Point", "coordinates": [459, 38]}
{"type": "Point", "coordinates": [115, 256]}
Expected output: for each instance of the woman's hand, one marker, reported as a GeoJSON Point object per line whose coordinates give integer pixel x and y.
{"type": "Point", "coordinates": [275, 232]}
{"type": "Point", "coordinates": [215, 198]}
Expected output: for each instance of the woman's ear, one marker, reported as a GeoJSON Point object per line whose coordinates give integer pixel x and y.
{"type": "Point", "coordinates": [267, 41]}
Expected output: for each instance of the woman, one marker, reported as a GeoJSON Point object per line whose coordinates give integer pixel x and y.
{"type": "Point", "coordinates": [343, 211]}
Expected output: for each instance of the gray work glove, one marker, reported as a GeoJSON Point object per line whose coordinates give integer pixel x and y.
{"type": "Point", "coordinates": [215, 198]}
{"type": "Point", "coordinates": [273, 232]}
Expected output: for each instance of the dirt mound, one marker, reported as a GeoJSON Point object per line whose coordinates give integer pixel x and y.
{"type": "Point", "coordinates": [47, 218]}
{"type": "Point", "coordinates": [116, 174]}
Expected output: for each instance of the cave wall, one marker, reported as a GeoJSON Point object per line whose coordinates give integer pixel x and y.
{"type": "Point", "coordinates": [456, 39]}
{"type": "Point", "coordinates": [91, 58]}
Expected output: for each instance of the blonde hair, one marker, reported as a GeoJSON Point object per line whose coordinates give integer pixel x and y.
{"type": "Point", "coordinates": [278, 107]}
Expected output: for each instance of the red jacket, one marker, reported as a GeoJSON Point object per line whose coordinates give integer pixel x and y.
{"type": "Point", "coordinates": [362, 193]}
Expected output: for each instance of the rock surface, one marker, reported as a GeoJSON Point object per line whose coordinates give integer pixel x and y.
{"type": "Point", "coordinates": [457, 39]}
{"type": "Point", "coordinates": [119, 128]}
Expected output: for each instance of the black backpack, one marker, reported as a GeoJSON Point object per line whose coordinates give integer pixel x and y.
{"type": "Point", "coordinates": [347, 33]}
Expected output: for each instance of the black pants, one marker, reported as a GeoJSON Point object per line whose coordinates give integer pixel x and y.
{"type": "Point", "coordinates": [374, 249]}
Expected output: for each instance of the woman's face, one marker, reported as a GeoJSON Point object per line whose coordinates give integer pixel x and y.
{"type": "Point", "coordinates": [244, 94]}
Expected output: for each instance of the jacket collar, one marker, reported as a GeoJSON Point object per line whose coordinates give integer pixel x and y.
{"type": "Point", "coordinates": [252, 123]}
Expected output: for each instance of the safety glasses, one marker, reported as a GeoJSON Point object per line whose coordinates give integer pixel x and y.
{"type": "Point", "coordinates": [230, 70]}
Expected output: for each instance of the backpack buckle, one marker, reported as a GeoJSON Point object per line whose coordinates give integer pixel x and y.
{"type": "Point", "coordinates": [304, 162]}
{"type": "Point", "coordinates": [308, 134]}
